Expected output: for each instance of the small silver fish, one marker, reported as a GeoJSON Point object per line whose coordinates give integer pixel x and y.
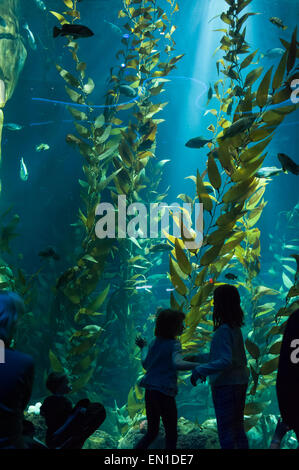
{"type": "Point", "coordinates": [13, 127]}
{"type": "Point", "coordinates": [273, 53]}
{"type": "Point", "coordinates": [40, 4]}
{"type": "Point", "coordinates": [42, 147]}
{"type": "Point", "coordinates": [113, 27]}
{"type": "Point", "coordinates": [23, 171]}
{"type": "Point", "coordinates": [31, 38]}
{"type": "Point", "coordinates": [268, 172]}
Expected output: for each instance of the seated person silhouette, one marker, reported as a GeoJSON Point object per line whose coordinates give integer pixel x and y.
{"type": "Point", "coordinates": [68, 427]}
{"type": "Point", "coordinates": [16, 375]}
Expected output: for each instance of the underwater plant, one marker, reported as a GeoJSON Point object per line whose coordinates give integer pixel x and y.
{"type": "Point", "coordinates": [232, 196]}
{"type": "Point", "coordinates": [12, 54]}
{"type": "Point", "coordinates": [87, 325]}
{"type": "Point", "coordinates": [117, 156]}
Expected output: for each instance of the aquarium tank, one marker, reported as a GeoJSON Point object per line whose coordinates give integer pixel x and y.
{"type": "Point", "coordinates": [149, 155]}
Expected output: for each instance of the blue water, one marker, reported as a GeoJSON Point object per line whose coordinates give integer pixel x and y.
{"type": "Point", "coordinates": [48, 202]}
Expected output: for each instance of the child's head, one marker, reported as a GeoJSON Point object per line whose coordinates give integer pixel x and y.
{"type": "Point", "coordinates": [227, 306]}
{"type": "Point", "coordinates": [58, 383]}
{"type": "Point", "coordinates": [169, 324]}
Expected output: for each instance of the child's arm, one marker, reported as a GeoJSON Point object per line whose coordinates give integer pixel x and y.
{"type": "Point", "coordinates": [201, 357]}
{"type": "Point", "coordinates": [222, 345]}
{"type": "Point", "coordinates": [178, 360]}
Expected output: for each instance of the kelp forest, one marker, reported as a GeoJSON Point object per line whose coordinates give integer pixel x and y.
{"type": "Point", "coordinates": [82, 317]}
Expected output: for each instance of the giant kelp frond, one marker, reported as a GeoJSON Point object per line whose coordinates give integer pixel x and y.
{"type": "Point", "coordinates": [237, 150]}
{"type": "Point", "coordinates": [119, 159]}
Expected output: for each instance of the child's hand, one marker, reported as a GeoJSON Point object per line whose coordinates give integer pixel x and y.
{"type": "Point", "coordinates": [193, 380]}
{"type": "Point", "coordinates": [202, 379]}
{"type": "Point", "coordinates": [195, 377]}
{"type": "Point", "coordinates": [140, 342]}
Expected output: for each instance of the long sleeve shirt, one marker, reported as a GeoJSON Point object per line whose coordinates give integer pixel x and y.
{"type": "Point", "coordinates": [16, 381]}
{"type": "Point", "coordinates": [227, 360]}
{"type": "Point", "coordinates": [161, 360]}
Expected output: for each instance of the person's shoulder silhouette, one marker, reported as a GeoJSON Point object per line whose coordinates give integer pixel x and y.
{"type": "Point", "coordinates": [287, 383]}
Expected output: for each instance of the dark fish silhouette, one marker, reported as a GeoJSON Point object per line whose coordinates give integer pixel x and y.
{"type": "Point", "coordinates": [197, 142]}
{"type": "Point", "coordinates": [231, 276]}
{"type": "Point", "coordinates": [74, 30]}
{"type": "Point", "coordinates": [128, 91]}
{"type": "Point", "coordinates": [159, 247]}
{"type": "Point", "coordinates": [49, 253]}
{"type": "Point", "coordinates": [288, 164]}
{"type": "Point", "coordinates": [210, 93]}
{"type": "Point", "coordinates": [277, 22]}
{"type": "Point", "coordinates": [238, 126]}
{"type": "Point", "coordinates": [67, 277]}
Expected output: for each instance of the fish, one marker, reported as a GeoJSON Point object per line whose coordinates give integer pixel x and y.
{"type": "Point", "coordinates": [128, 91]}
{"type": "Point", "coordinates": [3, 22]}
{"type": "Point", "coordinates": [113, 27]}
{"type": "Point", "coordinates": [74, 30]}
{"type": "Point", "coordinates": [158, 248]}
{"type": "Point", "coordinates": [210, 93]}
{"type": "Point", "coordinates": [49, 253]}
{"type": "Point", "coordinates": [231, 276]}
{"type": "Point", "coordinates": [68, 276]}
{"type": "Point", "coordinates": [277, 22]}
{"type": "Point", "coordinates": [273, 53]}
{"type": "Point", "coordinates": [197, 142]}
{"type": "Point", "coordinates": [13, 127]}
{"type": "Point", "coordinates": [229, 108]}
{"type": "Point", "coordinates": [40, 4]}
{"type": "Point", "coordinates": [30, 37]}
{"type": "Point", "coordinates": [238, 126]}
{"type": "Point", "coordinates": [288, 164]}
{"type": "Point", "coordinates": [41, 147]}
{"type": "Point", "coordinates": [268, 171]}
{"type": "Point", "coordinates": [23, 171]}
{"type": "Point", "coordinates": [156, 277]}
{"type": "Point", "coordinates": [2, 94]}
{"type": "Point", "coordinates": [291, 247]}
